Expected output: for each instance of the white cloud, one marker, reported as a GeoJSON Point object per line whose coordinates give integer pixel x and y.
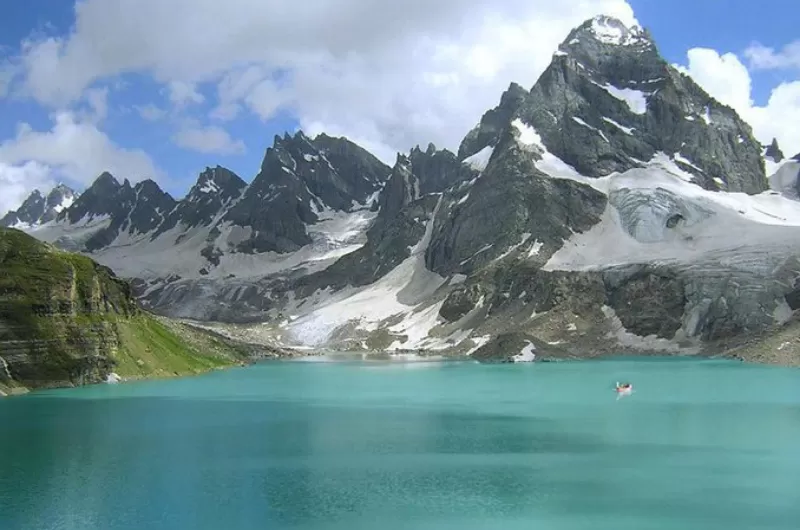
{"type": "Point", "coordinates": [722, 76]}
{"type": "Point", "coordinates": [397, 73]}
{"type": "Point", "coordinates": [74, 149]}
{"type": "Point", "coordinates": [211, 139]}
{"type": "Point", "coordinates": [761, 57]}
{"type": "Point", "coordinates": [98, 101]}
{"type": "Point", "coordinates": [182, 93]}
{"type": "Point", "coordinates": [728, 80]}
{"type": "Point", "coordinates": [18, 181]}
{"type": "Point", "coordinates": [150, 112]}
{"type": "Point", "coordinates": [234, 87]}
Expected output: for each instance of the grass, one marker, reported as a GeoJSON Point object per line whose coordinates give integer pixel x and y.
{"type": "Point", "coordinates": [150, 348]}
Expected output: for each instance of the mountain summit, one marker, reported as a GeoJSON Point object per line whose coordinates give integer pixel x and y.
{"type": "Point", "coordinates": [608, 102]}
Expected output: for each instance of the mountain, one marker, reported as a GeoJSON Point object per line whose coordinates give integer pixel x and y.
{"type": "Point", "coordinates": [614, 206]}
{"type": "Point", "coordinates": [38, 209]}
{"type": "Point", "coordinates": [66, 320]}
{"type": "Point", "coordinates": [608, 103]}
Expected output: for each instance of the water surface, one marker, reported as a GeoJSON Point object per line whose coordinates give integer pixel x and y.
{"type": "Point", "coordinates": [375, 445]}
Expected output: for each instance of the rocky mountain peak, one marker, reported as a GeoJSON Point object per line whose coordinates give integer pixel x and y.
{"type": "Point", "coordinates": [608, 31]}
{"type": "Point", "coordinates": [60, 198]}
{"type": "Point", "coordinates": [430, 150]}
{"type": "Point", "coordinates": [38, 209]}
{"type": "Point", "coordinates": [493, 122]}
{"type": "Point", "coordinates": [300, 179]}
{"type": "Point", "coordinates": [105, 197]}
{"type": "Point", "coordinates": [608, 52]}
{"type": "Point", "coordinates": [608, 102]}
{"type": "Point", "coordinates": [146, 187]}
{"type": "Point", "coordinates": [106, 181]}
{"type": "Point", "coordinates": [216, 188]}
{"type": "Point", "coordinates": [217, 181]}
{"type": "Point", "coordinates": [773, 151]}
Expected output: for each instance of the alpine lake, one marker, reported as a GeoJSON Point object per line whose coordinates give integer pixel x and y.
{"type": "Point", "coordinates": [354, 444]}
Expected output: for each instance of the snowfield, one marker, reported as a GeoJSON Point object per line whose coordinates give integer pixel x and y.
{"type": "Point", "coordinates": [177, 251]}
{"type": "Point", "coordinates": [399, 292]}
{"type": "Point", "coordinates": [712, 224]}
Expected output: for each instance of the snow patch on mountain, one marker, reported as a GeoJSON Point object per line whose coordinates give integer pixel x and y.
{"type": "Point", "coordinates": [590, 127]}
{"type": "Point", "coordinates": [549, 163]}
{"type": "Point", "coordinates": [415, 326]}
{"type": "Point", "coordinates": [177, 251]}
{"type": "Point", "coordinates": [525, 237]}
{"type": "Point", "coordinates": [635, 99]}
{"type": "Point", "coordinates": [399, 292]}
{"type": "Point", "coordinates": [526, 355]}
{"type": "Point", "coordinates": [611, 31]}
{"type": "Point", "coordinates": [683, 160]}
{"type": "Point", "coordinates": [72, 235]}
{"type": "Point", "coordinates": [707, 115]}
{"type": "Point", "coordinates": [65, 203]}
{"type": "Point", "coordinates": [626, 130]}
{"type": "Point", "coordinates": [655, 215]}
{"type": "Point", "coordinates": [209, 186]}
{"type": "Point", "coordinates": [479, 160]}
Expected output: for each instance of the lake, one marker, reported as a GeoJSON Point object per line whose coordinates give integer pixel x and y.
{"type": "Point", "coordinates": [700, 444]}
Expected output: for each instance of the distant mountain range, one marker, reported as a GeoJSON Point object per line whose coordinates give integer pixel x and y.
{"type": "Point", "coordinates": [613, 206]}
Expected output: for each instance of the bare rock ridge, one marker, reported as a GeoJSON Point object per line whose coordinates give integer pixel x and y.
{"type": "Point", "coordinates": [614, 205]}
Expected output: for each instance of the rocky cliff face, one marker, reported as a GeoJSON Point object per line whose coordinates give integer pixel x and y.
{"type": "Point", "coordinates": [612, 206]}
{"type": "Point", "coordinates": [66, 320]}
{"type": "Point", "coordinates": [511, 208]}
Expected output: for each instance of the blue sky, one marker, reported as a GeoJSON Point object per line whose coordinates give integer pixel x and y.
{"type": "Point", "coordinates": [725, 26]}
{"type": "Point", "coordinates": [163, 88]}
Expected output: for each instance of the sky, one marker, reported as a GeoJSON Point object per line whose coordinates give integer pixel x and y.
{"type": "Point", "coordinates": [163, 88]}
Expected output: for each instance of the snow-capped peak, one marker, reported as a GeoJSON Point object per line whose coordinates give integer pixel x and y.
{"type": "Point", "coordinates": [610, 30]}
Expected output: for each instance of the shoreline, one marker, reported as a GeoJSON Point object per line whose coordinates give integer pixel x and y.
{"type": "Point", "coordinates": [411, 357]}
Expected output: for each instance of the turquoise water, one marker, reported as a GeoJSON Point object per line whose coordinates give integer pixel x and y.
{"type": "Point", "coordinates": [303, 445]}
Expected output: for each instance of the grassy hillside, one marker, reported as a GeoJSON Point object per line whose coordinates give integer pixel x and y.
{"type": "Point", "coordinates": [66, 320]}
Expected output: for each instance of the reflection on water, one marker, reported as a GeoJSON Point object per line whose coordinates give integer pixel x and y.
{"type": "Point", "coordinates": [345, 446]}
{"type": "Point", "coordinates": [375, 357]}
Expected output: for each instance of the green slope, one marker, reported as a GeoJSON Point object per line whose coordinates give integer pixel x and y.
{"type": "Point", "coordinates": [66, 320]}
